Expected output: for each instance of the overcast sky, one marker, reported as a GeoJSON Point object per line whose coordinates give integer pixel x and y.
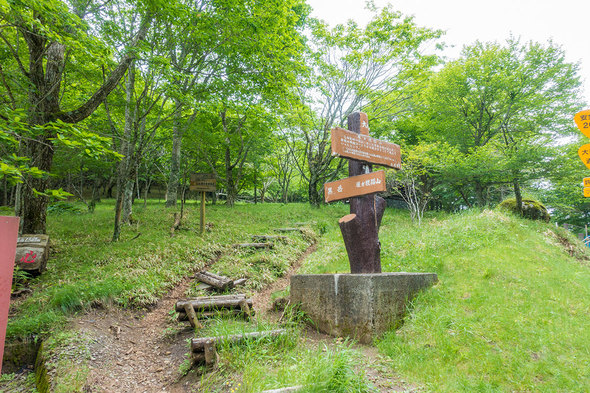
{"type": "Point", "coordinates": [567, 22]}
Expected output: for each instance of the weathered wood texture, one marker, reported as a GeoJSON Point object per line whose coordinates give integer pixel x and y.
{"type": "Point", "coordinates": [219, 282]}
{"type": "Point", "coordinates": [360, 229]}
{"type": "Point", "coordinates": [213, 303]}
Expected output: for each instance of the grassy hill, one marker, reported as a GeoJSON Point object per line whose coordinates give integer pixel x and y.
{"type": "Point", "coordinates": [511, 312]}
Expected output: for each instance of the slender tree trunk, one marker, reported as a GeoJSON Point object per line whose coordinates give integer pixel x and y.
{"type": "Point", "coordinates": [517, 196]}
{"type": "Point", "coordinates": [480, 194]}
{"type": "Point", "coordinates": [229, 178]}
{"type": "Point", "coordinates": [174, 177]}
{"type": "Point", "coordinates": [126, 151]}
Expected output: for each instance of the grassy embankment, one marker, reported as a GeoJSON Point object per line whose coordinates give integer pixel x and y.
{"type": "Point", "coordinates": [511, 311]}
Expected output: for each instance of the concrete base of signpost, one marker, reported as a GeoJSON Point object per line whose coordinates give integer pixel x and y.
{"type": "Point", "coordinates": [360, 306]}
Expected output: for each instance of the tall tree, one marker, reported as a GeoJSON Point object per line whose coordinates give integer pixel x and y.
{"type": "Point", "coordinates": [511, 100]}
{"type": "Point", "coordinates": [43, 38]}
{"type": "Point", "coordinates": [354, 68]}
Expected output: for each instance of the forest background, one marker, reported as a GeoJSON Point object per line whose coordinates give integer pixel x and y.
{"type": "Point", "coordinates": [125, 99]}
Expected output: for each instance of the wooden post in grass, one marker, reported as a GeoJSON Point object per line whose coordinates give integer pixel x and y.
{"type": "Point", "coordinates": [202, 219]}
{"type": "Point", "coordinates": [203, 182]}
{"type": "Point", "coordinates": [8, 237]}
{"type": "Point", "coordinates": [360, 228]}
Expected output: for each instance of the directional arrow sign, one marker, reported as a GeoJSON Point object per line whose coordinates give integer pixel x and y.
{"type": "Point", "coordinates": [582, 120]}
{"type": "Point", "coordinates": [584, 153]}
{"type": "Point", "coordinates": [368, 183]}
{"type": "Point", "coordinates": [364, 148]}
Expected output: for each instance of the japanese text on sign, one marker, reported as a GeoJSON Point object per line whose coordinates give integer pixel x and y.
{"type": "Point", "coordinates": [368, 183]}
{"type": "Point", "coordinates": [364, 148]}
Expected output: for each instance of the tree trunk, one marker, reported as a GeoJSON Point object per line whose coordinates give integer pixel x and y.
{"type": "Point", "coordinates": [126, 151]}
{"type": "Point", "coordinates": [229, 178]}
{"type": "Point", "coordinates": [127, 201]}
{"type": "Point", "coordinates": [517, 196]}
{"type": "Point", "coordinates": [174, 177]}
{"type": "Point", "coordinates": [480, 194]}
{"type": "Point", "coordinates": [312, 191]}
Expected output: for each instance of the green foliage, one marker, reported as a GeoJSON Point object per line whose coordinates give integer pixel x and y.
{"type": "Point", "coordinates": [531, 209]}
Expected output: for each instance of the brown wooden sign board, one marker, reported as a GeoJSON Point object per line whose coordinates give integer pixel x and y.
{"type": "Point", "coordinates": [364, 148]}
{"type": "Point", "coordinates": [368, 183]}
{"type": "Point", "coordinates": [203, 182]}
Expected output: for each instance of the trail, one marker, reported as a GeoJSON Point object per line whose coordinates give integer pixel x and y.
{"type": "Point", "coordinates": [143, 352]}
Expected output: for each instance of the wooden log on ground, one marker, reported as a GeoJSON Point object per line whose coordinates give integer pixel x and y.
{"type": "Point", "coordinates": [211, 303]}
{"type": "Point", "coordinates": [245, 309]}
{"type": "Point", "coordinates": [198, 344]}
{"type": "Point", "coordinates": [219, 282]}
{"type": "Point", "coordinates": [192, 316]}
{"type": "Point", "coordinates": [266, 238]}
{"type": "Point", "coordinates": [254, 245]}
{"type": "Point", "coordinates": [240, 281]}
{"type": "Point", "coordinates": [288, 229]}
{"type": "Point", "coordinates": [182, 317]}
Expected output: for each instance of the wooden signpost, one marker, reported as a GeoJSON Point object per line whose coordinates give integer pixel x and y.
{"type": "Point", "coordinates": [360, 228]}
{"type": "Point", "coordinates": [203, 182]}
{"type": "Point", "coordinates": [8, 236]}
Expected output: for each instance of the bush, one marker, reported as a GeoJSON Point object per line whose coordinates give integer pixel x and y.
{"type": "Point", "coordinates": [531, 209]}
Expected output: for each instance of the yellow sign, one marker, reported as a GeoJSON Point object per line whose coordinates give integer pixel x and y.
{"type": "Point", "coordinates": [587, 182]}
{"type": "Point", "coordinates": [584, 153]}
{"type": "Point", "coordinates": [587, 192]}
{"type": "Point", "coordinates": [582, 120]}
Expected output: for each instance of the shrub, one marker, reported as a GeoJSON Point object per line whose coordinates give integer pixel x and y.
{"type": "Point", "coordinates": [531, 209]}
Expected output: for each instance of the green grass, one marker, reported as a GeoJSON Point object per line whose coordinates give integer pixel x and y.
{"type": "Point", "coordinates": [271, 363]}
{"type": "Point", "coordinates": [511, 311]}
{"type": "Point", "coordinates": [87, 270]}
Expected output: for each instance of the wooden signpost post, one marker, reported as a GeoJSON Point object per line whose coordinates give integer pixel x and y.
{"type": "Point", "coordinates": [203, 182]}
{"type": "Point", "coordinates": [360, 228]}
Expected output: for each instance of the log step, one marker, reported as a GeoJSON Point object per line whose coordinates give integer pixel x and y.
{"type": "Point", "coordinates": [220, 283]}
{"type": "Point", "coordinates": [266, 238]}
{"type": "Point", "coordinates": [288, 230]}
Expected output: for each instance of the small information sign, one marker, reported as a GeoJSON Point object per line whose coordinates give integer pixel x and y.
{"type": "Point", "coordinates": [364, 148]}
{"type": "Point", "coordinates": [587, 182]}
{"type": "Point", "coordinates": [587, 192]}
{"type": "Point", "coordinates": [368, 183]}
{"type": "Point", "coordinates": [203, 182]}
{"type": "Point", "coordinates": [584, 153]}
{"type": "Point", "coordinates": [582, 120]}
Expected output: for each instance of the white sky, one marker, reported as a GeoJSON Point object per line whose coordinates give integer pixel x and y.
{"type": "Point", "coordinates": [567, 22]}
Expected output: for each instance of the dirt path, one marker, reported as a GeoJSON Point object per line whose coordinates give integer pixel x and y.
{"type": "Point", "coordinates": [135, 352]}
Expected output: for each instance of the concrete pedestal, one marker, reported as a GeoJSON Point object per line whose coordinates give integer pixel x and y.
{"type": "Point", "coordinates": [360, 306]}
